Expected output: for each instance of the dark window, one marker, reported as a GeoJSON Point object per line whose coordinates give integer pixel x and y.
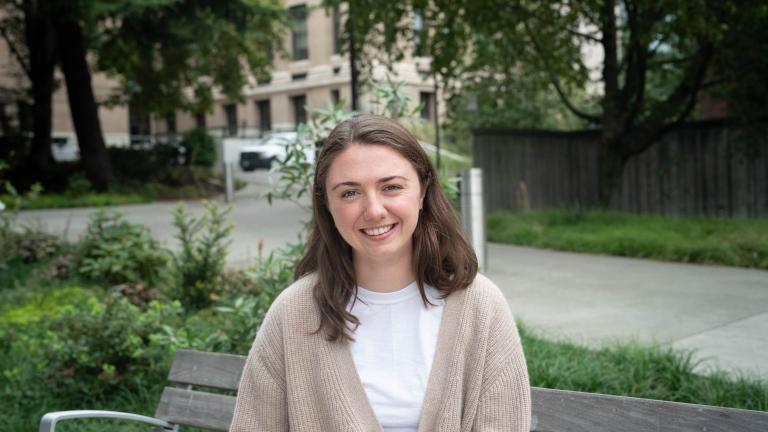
{"type": "Point", "coordinates": [200, 120]}
{"type": "Point", "coordinates": [265, 116]}
{"type": "Point", "coordinates": [425, 98]}
{"type": "Point", "coordinates": [300, 43]}
{"type": "Point", "coordinates": [299, 109]}
{"type": "Point", "coordinates": [26, 116]}
{"type": "Point", "coordinates": [170, 124]}
{"type": "Point", "coordinates": [138, 125]}
{"type": "Point", "coordinates": [335, 96]}
{"type": "Point", "coordinates": [230, 110]}
{"type": "Point", "coordinates": [336, 30]}
{"type": "Point", "coordinates": [299, 77]}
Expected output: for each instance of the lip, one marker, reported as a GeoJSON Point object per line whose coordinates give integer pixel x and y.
{"type": "Point", "coordinates": [380, 236]}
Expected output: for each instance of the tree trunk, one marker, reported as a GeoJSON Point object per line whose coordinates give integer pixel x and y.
{"type": "Point", "coordinates": [42, 49]}
{"type": "Point", "coordinates": [610, 164]}
{"type": "Point", "coordinates": [82, 104]}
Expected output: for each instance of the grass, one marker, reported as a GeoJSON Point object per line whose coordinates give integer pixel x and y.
{"type": "Point", "coordinates": [742, 243]}
{"type": "Point", "coordinates": [637, 370]}
{"type": "Point", "coordinates": [86, 200]}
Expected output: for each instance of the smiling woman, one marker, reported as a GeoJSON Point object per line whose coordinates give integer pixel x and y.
{"type": "Point", "coordinates": [388, 326]}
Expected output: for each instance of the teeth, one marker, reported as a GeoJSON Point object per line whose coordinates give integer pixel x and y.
{"type": "Point", "coordinates": [378, 231]}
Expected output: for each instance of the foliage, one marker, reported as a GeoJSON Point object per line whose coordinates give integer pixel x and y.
{"type": "Point", "coordinates": [90, 349]}
{"type": "Point", "coordinates": [199, 264]}
{"type": "Point", "coordinates": [636, 370]}
{"type": "Point", "coordinates": [295, 170]}
{"type": "Point", "coordinates": [116, 251]}
{"type": "Point", "coordinates": [741, 243]}
{"type": "Point", "coordinates": [34, 246]}
{"type": "Point", "coordinates": [634, 69]}
{"type": "Point", "coordinates": [199, 148]}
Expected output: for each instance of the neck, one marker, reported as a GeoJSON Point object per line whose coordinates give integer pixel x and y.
{"type": "Point", "coordinates": [384, 276]}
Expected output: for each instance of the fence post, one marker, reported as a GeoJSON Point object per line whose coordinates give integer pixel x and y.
{"type": "Point", "coordinates": [473, 213]}
{"type": "Point", "coordinates": [229, 156]}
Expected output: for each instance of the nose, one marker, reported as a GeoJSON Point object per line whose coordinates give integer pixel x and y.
{"type": "Point", "coordinates": [374, 209]}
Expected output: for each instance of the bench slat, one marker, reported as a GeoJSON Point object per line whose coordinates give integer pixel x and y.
{"type": "Point", "coordinates": [561, 410]}
{"type": "Point", "coordinates": [198, 368]}
{"type": "Point", "coordinates": [196, 409]}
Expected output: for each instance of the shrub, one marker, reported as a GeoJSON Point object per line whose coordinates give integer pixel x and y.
{"type": "Point", "coordinates": [92, 348]}
{"type": "Point", "coordinates": [199, 263]}
{"type": "Point", "coordinates": [199, 148]}
{"type": "Point", "coordinates": [36, 246]}
{"type": "Point", "coordinates": [117, 251]}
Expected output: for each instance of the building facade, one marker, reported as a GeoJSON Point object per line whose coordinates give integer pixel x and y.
{"type": "Point", "coordinates": [314, 73]}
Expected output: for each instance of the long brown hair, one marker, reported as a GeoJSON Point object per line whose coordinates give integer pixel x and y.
{"type": "Point", "coordinates": [442, 257]}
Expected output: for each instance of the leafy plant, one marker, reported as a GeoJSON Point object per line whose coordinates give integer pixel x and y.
{"type": "Point", "coordinates": [200, 149]}
{"type": "Point", "coordinates": [117, 251]}
{"type": "Point", "coordinates": [199, 264]}
{"type": "Point", "coordinates": [91, 349]}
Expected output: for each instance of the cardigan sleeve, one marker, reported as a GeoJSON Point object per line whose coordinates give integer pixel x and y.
{"type": "Point", "coordinates": [505, 397]}
{"type": "Point", "coordinates": [261, 397]}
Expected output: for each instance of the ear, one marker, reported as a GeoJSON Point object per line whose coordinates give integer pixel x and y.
{"type": "Point", "coordinates": [421, 198]}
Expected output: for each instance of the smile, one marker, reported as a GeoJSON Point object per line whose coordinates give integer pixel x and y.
{"type": "Point", "coordinates": [378, 230]}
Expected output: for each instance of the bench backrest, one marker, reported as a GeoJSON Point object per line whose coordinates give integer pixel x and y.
{"type": "Point", "coordinates": [553, 410]}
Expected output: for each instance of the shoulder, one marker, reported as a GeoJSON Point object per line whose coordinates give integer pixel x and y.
{"type": "Point", "coordinates": [295, 305]}
{"type": "Point", "coordinates": [483, 295]}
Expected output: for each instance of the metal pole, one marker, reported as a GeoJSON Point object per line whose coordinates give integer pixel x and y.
{"type": "Point", "coordinates": [229, 182]}
{"type": "Point", "coordinates": [352, 57]}
{"type": "Point", "coordinates": [437, 127]}
{"type": "Point", "coordinates": [473, 213]}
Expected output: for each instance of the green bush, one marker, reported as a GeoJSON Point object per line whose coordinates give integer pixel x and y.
{"type": "Point", "coordinates": [91, 349]}
{"type": "Point", "coordinates": [200, 149]}
{"type": "Point", "coordinates": [200, 261]}
{"type": "Point", "coordinates": [35, 246]}
{"type": "Point", "coordinates": [116, 251]}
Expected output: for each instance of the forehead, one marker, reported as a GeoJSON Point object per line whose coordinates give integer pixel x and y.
{"type": "Point", "coordinates": [363, 162]}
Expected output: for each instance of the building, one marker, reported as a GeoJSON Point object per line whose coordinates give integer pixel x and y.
{"type": "Point", "coordinates": [315, 73]}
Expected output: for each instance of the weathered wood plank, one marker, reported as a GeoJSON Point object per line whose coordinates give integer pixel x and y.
{"type": "Point", "coordinates": [560, 410]}
{"type": "Point", "coordinates": [216, 370]}
{"type": "Point", "coordinates": [196, 409]}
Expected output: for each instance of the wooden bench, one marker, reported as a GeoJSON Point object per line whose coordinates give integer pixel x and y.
{"type": "Point", "coordinates": [189, 404]}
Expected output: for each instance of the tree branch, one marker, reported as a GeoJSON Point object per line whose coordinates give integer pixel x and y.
{"type": "Point", "coordinates": [556, 82]}
{"type": "Point", "coordinates": [585, 36]}
{"type": "Point", "coordinates": [16, 53]}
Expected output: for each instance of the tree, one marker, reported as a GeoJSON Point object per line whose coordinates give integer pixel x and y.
{"type": "Point", "coordinates": [656, 56]}
{"type": "Point", "coordinates": [169, 55]}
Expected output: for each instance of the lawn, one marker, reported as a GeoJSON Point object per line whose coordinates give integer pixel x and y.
{"type": "Point", "coordinates": [742, 243]}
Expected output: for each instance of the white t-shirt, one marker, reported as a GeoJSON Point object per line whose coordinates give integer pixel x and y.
{"type": "Point", "coordinates": [393, 351]}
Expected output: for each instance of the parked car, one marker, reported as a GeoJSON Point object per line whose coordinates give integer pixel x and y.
{"type": "Point", "coordinates": [267, 150]}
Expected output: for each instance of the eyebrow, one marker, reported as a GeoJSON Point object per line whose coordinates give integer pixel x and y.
{"type": "Point", "coordinates": [381, 180]}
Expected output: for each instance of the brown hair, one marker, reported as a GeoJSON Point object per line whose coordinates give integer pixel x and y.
{"type": "Point", "coordinates": [442, 257]}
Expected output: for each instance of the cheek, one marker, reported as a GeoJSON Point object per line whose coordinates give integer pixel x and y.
{"type": "Point", "coordinates": [344, 216]}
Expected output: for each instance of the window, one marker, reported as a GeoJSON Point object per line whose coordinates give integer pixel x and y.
{"type": "Point", "coordinates": [299, 109]}
{"type": "Point", "coordinates": [425, 98]}
{"type": "Point", "coordinates": [336, 30]}
{"type": "Point", "coordinates": [335, 96]}
{"type": "Point", "coordinates": [170, 125]}
{"type": "Point", "coordinates": [200, 120]}
{"type": "Point", "coordinates": [230, 111]}
{"type": "Point", "coordinates": [299, 77]}
{"type": "Point", "coordinates": [138, 125]}
{"type": "Point", "coordinates": [300, 45]}
{"type": "Point", "coordinates": [265, 116]}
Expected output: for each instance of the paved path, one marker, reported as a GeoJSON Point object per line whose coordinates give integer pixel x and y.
{"type": "Point", "coordinates": [721, 312]}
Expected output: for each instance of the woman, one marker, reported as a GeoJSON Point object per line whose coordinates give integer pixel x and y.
{"type": "Point", "coordinates": [388, 326]}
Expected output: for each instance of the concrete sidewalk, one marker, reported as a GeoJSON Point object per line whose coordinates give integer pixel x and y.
{"type": "Point", "coordinates": [720, 312]}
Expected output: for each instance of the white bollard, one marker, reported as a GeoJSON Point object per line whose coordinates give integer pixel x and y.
{"type": "Point", "coordinates": [473, 213]}
{"type": "Point", "coordinates": [230, 153]}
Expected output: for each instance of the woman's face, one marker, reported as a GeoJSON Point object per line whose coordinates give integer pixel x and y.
{"type": "Point", "coordinates": [374, 197]}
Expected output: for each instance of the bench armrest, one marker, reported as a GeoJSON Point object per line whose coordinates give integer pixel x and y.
{"type": "Point", "coordinates": [49, 420]}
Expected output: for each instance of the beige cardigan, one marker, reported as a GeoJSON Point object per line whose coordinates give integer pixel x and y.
{"type": "Point", "coordinates": [297, 381]}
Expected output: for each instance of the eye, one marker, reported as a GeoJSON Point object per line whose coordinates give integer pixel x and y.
{"type": "Point", "coordinates": [392, 187]}
{"type": "Point", "coordinates": [348, 194]}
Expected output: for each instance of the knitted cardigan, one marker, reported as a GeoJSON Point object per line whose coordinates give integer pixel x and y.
{"type": "Point", "coordinates": [295, 380]}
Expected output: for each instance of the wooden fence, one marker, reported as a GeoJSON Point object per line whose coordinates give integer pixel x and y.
{"type": "Point", "coordinates": [702, 169]}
